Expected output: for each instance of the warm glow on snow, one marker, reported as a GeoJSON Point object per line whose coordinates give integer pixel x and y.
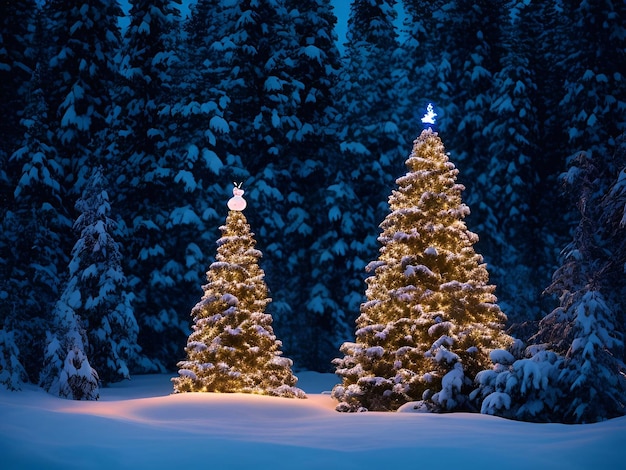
{"type": "Point", "coordinates": [139, 424]}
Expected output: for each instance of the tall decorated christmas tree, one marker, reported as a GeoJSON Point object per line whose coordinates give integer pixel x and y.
{"type": "Point", "coordinates": [233, 347]}
{"type": "Point", "coordinates": [430, 318]}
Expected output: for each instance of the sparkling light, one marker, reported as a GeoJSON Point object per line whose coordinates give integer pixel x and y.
{"type": "Point", "coordinates": [429, 117]}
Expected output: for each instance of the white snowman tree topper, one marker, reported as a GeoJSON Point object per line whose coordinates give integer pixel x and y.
{"type": "Point", "coordinates": [237, 202]}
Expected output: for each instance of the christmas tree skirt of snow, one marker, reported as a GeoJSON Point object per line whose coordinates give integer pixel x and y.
{"type": "Point", "coordinates": [141, 424]}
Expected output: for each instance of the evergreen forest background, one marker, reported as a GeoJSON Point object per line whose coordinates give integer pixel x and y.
{"type": "Point", "coordinates": [129, 141]}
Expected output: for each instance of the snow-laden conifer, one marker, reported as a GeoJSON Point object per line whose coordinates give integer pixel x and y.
{"type": "Point", "coordinates": [162, 186]}
{"type": "Point", "coordinates": [585, 328]}
{"type": "Point", "coordinates": [509, 183]}
{"type": "Point", "coordinates": [66, 370]}
{"type": "Point", "coordinates": [431, 317]}
{"type": "Point", "coordinates": [593, 100]}
{"type": "Point", "coordinates": [612, 226]}
{"type": "Point", "coordinates": [99, 282]}
{"type": "Point", "coordinates": [82, 39]}
{"type": "Point", "coordinates": [12, 372]}
{"type": "Point", "coordinates": [233, 347]}
{"type": "Point", "coordinates": [308, 303]}
{"type": "Point", "coordinates": [349, 207]}
{"type": "Point", "coordinates": [34, 226]}
{"type": "Point", "coordinates": [594, 376]}
{"type": "Point", "coordinates": [574, 371]}
{"type": "Point", "coordinates": [520, 386]}
{"type": "Point", "coordinates": [79, 381]}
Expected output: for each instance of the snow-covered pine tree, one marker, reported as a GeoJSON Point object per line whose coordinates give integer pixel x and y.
{"type": "Point", "coordinates": [29, 201]}
{"type": "Point", "coordinates": [574, 369]}
{"type": "Point", "coordinates": [593, 378]}
{"type": "Point", "coordinates": [469, 33]}
{"type": "Point", "coordinates": [252, 68]}
{"type": "Point", "coordinates": [612, 230]}
{"type": "Point", "coordinates": [83, 38]}
{"type": "Point", "coordinates": [198, 105]}
{"type": "Point", "coordinates": [594, 101]}
{"type": "Point", "coordinates": [316, 66]}
{"type": "Point", "coordinates": [511, 209]}
{"type": "Point", "coordinates": [38, 200]}
{"type": "Point", "coordinates": [371, 142]}
{"type": "Point", "coordinates": [66, 370]}
{"type": "Point", "coordinates": [36, 223]}
{"type": "Point", "coordinates": [307, 306]}
{"type": "Point", "coordinates": [165, 179]}
{"type": "Point", "coordinates": [233, 347]}
{"type": "Point", "coordinates": [12, 372]}
{"type": "Point", "coordinates": [79, 381]}
{"type": "Point", "coordinates": [431, 318]}
{"type": "Point", "coordinates": [584, 328]}
{"type": "Point", "coordinates": [420, 51]}
{"type": "Point", "coordinates": [587, 47]}
{"type": "Point", "coordinates": [100, 284]}
{"type": "Point", "coordinates": [522, 386]}
{"type": "Point", "coordinates": [351, 202]}
{"type": "Point", "coordinates": [79, 42]}
{"type": "Point", "coordinates": [16, 65]}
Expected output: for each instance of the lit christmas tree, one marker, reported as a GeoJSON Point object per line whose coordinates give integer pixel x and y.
{"type": "Point", "coordinates": [233, 347]}
{"type": "Point", "coordinates": [431, 318]}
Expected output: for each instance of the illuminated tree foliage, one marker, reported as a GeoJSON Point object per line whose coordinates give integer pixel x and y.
{"type": "Point", "coordinates": [233, 347]}
{"type": "Point", "coordinates": [431, 318]}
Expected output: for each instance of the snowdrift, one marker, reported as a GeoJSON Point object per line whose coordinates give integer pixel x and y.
{"type": "Point", "coordinates": [140, 424]}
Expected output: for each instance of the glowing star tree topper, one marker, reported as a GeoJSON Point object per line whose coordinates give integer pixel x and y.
{"type": "Point", "coordinates": [237, 202]}
{"type": "Point", "coordinates": [429, 117]}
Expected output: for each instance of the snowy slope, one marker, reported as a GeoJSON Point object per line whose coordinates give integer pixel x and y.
{"type": "Point", "coordinates": [139, 424]}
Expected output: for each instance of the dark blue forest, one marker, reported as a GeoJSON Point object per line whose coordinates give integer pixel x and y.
{"type": "Point", "coordinates": [119, 149]}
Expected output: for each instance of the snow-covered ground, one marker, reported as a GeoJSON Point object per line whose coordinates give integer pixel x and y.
{"type": "Point", "coordinates": [140, 424]}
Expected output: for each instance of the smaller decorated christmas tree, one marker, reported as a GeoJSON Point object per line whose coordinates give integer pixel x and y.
{"type": "Point", "coordinates": [431, 318]}
{"type": "Point", "coordinates": [233, 347]}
